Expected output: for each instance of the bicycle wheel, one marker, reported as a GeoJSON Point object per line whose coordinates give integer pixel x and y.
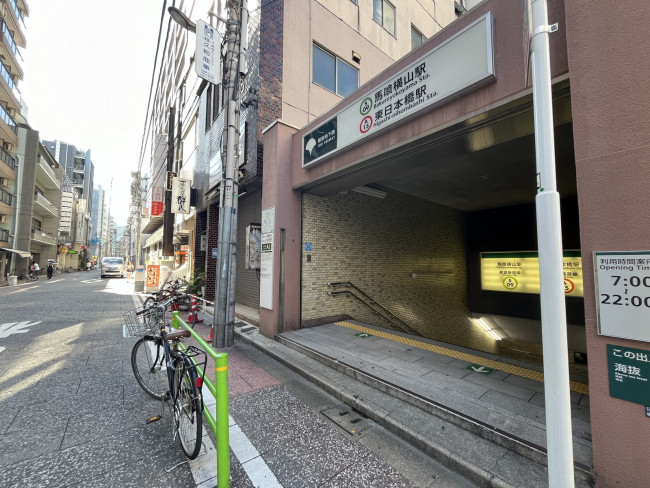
{"type": "Point", "coordinates": [149, 368]}
{"type": "Point", "coordinates": [149, 302]}
{"type": "Point", "coordinates": [188, 417]}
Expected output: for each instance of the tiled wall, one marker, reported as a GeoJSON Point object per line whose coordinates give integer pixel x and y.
{"type": "Point", "coordinates": [377, 245]}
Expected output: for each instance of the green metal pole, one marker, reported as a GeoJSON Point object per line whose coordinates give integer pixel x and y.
{"type": "Point", "coordinates": [223, 437]}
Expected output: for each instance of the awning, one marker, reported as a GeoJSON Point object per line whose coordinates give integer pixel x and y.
{"type": "Point", "coordinates": [22, 254]}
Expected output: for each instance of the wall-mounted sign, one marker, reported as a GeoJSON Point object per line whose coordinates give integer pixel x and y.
{"type": "Point", "coordinates": [181, 196]}
{"type": "Point", "coordinates": [459, 65]}
{"type": "Point", "coordinates": [156, 201]}
{"type": "Point", "coordinates": [207, 54]}
{"type": "Point", "coordinates": [518, 272]}
{"type": "Point", "coordinates": [169, 184]}
{"type": "Point", "coordinates": [266, 258]}
{"type": "Point", "coordinates": [153, 275]}
{"type": "Point", "coordinates": [629, 372]}
{"type": "Point", "coordinates": [622, 282]}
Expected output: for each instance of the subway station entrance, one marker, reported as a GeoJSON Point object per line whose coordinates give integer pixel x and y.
{"type": "Point", "coordinates": [437, 237]}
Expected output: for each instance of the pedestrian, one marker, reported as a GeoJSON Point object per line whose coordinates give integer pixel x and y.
{"type": "Point", "coordinates": [129, 271]}
{"type": "Point", "coordinates": [37, 268]}
{"type": "Point", "coordinates": [50, 270]}
{"type": "Point", "coordinates": [88, 265]}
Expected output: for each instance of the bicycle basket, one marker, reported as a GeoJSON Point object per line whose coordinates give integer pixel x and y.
{"type": "Point", "coordinates": [140, 324]}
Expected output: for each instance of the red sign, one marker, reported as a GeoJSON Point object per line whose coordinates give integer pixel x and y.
{"type": "Point", "coordinates": [156, 201]}
{"type": "Point", "coordinates": [153, 275]}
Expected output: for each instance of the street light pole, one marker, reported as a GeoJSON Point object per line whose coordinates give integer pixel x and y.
{"type": "Point", "coordinates": [224, 308]}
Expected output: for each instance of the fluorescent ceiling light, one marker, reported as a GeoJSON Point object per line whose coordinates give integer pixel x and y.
{"type": "Point", "coordinates": [371, 192]}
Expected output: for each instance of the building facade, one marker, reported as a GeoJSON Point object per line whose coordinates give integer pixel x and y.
{"type": "Point", "coordinates": [99, 224]}
{"type": "Point", "coordinates": [12, 41]}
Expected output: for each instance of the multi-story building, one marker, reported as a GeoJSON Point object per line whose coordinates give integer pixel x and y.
{"type": "Point", "coordinates": [77, 164]}
{"type": "Point", "coordinates": [68, 255]}
{"type": "Point", "coordinates": [37, 203]}
{"type": "Point", "coordinates": [12, 40]}
{"type": "Point", "coordinates": [99, 224]}
{"type": "Point", "coordinates": [278, 84]}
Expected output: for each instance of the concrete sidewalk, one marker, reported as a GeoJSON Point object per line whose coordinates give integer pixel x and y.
{"type": "Point", "coordinates": [489, 428]}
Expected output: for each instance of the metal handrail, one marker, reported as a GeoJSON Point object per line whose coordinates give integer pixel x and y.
{"type": "Point", "coordinates": [220, 424]}
{"type": "Point", "coordinates": [374, 305]}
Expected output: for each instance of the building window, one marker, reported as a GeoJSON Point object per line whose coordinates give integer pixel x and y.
{"type": "Point", "coordinates": [333, 73]}
{"type": "Point", "coordinates": [384, 14]}
{"type": "Point", "coordinates": [416, 37]}
{"type": "Point", "coordinates": [208, 107]}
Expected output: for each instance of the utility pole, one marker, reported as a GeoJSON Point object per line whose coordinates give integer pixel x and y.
{"type": "Point", "coordinates": [559, 439]}
{"type": "Point", "coordinates": [224, 308]}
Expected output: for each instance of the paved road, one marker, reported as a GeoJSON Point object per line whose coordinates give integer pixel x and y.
{"type": "Point", "coordinates": [71, 413]}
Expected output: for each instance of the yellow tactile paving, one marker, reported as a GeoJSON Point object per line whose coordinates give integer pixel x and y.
{"type": "Point", "coordinates": [508, 368]}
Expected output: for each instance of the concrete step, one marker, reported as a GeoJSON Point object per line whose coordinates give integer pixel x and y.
{"type": "Point", "coordinates": [474, 448]}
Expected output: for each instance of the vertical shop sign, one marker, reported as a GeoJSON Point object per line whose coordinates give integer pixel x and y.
{"type": "Point", "coordinates": [156, 201]}
{"type": "Point", "coordinates": [180, 196]}
{"type": "Point", "coordinates": [266, 258]}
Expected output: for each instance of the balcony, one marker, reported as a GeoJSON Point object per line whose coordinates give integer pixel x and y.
{"type": "Point", "coordinates": [12, 93]}
{"type": "Point", "coordinates": [7, 165]}
{"type": "Point", "coordinates": [42, 206]}
{"type": "Point", "coordinates": [16, 21]}
{"type": "Point", "coordinates": [79, 168]}
{"type": "Point", "coordinates": [45, 175]}
{"type": "Point", "coordinates": [43, 238]}
{"type": "Point", "coordinates": [8, 127]}
{"type": "Point", "coordinates": [4, 237]}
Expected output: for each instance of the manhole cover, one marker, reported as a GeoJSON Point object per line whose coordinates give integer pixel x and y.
{"type": "Point", "coordinates": [346, 418]}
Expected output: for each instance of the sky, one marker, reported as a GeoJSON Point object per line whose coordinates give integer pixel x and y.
{"type": "Point", "coordinates": [87, 72]}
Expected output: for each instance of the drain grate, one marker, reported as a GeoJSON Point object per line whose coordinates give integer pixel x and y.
{"type": "Point", "coordinates": [346, 418]}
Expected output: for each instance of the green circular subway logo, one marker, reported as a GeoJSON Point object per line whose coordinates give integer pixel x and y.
{"type": "Point", "coordinates": [366, 106]}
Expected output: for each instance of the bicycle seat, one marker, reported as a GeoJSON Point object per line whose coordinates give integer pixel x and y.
{"type": "Point", "coordinates": [177, 335]}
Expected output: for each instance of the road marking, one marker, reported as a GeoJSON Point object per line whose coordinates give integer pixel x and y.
{"type": "Point", "coordinates": [9, 328]}
{"type": "Point", "coordinates": [204, 467]}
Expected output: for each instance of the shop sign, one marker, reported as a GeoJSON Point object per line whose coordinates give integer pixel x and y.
{"type": "Point", "coordinates": [181, 196]}
{"type": "Point", "coordinates": [153, 275]}
{"type": "Point", "coordinates": [622, 283]}
{"type": "Point", "coordinates": [156, 201]}
{"type": "Point", "coordinates": [629, 371]}
{"type": "Point", "coordinates": [518, 272]}
{"type": "Point", "coordinates": [460, 65]}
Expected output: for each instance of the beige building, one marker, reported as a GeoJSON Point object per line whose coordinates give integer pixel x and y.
{"type": "Point", "coordinates": [12, 40]}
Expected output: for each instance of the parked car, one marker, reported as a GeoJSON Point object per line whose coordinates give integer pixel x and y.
{"type": "Point", "coordinates": [112, 266]}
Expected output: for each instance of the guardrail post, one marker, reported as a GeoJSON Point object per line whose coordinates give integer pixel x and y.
{"type": "Point", "coordinates": [223, 437]}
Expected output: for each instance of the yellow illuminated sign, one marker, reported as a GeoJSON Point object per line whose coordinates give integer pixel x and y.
{"type": "Point", "coordinates": [518, 272]}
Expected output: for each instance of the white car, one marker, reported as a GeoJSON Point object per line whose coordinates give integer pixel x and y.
{"type": "Point", "coordinates": [112, 266]}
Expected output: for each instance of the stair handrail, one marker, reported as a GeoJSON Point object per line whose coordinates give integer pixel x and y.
{"type": "Point", "coordinates": [388, 315]}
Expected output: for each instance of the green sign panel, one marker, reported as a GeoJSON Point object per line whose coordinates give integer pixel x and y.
{"type": "Point", "coordinates": [320, 141]}
{"type": "Point", "coordinates": [363, 335]}
{"type": "Point", "coordinates": [477, 368]}
{"type": "Point", "coordinates": [629, 370]}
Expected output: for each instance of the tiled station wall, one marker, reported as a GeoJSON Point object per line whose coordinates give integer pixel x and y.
{"type": "Point", "coordinates": [377, 245]}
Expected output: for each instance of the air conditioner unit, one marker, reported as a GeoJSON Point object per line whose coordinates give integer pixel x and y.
{"type": "Point", "coordinates": [4, 182]}
{"type": "Point", "coordinates": [4, 219]}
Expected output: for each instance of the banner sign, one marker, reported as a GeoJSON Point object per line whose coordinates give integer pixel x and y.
{"type": "Point", "coordinates": [181, 196]}
{"type": "Point", "coordinates": [156, 201]}
{"type": "Point", "coordinates": [207, 55]}
{"type": "Point", "coordinates": [461, 64]}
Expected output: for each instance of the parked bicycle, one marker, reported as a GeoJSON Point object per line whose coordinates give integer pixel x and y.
{"type": "Point", "coordinates": [30, 276]}
{"type": "Point", "coordinates": [167, 373]}
{"type": "Point", "coordinates": [173, 289]}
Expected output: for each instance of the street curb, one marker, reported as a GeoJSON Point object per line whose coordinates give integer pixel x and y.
{"type": "Point", "coordinates": [302, 361]}
{"type": "Point", "coordinates": [282, 353]}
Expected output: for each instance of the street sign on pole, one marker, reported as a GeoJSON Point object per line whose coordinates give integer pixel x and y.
{"type": "Point", "coordinates": [207, 57]}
